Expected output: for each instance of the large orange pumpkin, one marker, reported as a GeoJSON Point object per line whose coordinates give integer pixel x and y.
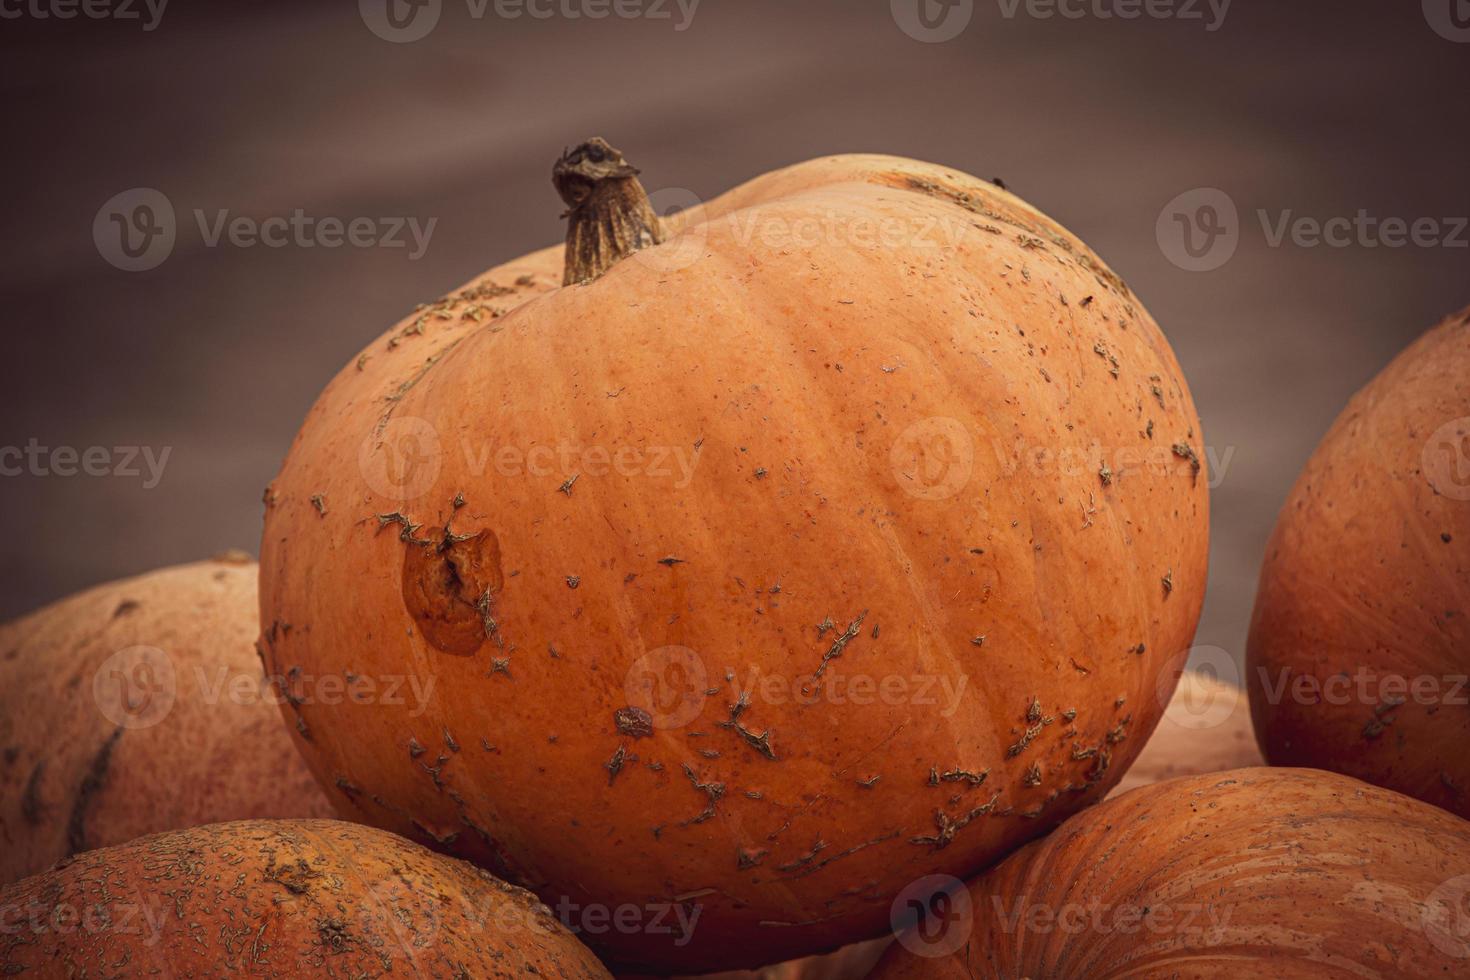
{"type": "Point", "coordinates": [1289, 874]}
{"type": "Point", "coordinates": [839, 538]}
{"type": "Point", "coordinates": [136, 707]}
{"type": "Point", "coordinates": [279, 898]}
{"type": "Point", "coordinates": [1359, 648]}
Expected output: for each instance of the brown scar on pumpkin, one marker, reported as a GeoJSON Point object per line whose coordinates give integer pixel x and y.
{"type": "Point", "coordinates": [840, 644]}
{"type": "Point", "coordinates": [92, 783]}
{"type": "Point", "coordinates": [949, 826]}
{"type": "Point", "coordinates": [449, 588]}
{"type": "Point", "coordinates": [714, 792]}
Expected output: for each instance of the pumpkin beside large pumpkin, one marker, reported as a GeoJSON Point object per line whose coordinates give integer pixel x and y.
{"type": "Point", "coordinates": [136, 707]}
{"type": "Point", "coordinates": [838, 539]}
{"type": "Point", "coordinates": [1359, 653]}
{"type": "Point", "coordinates": [280, 898]}
{"type": "Point", "coordinates": [1292, 874]}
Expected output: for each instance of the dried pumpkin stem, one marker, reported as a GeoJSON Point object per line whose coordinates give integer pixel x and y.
{"type": "Point", "coordinates": [608, 211]}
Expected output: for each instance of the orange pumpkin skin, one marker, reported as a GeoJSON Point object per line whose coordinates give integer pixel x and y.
{"type": "Point", "coordinates": [1290, 874]}
{"type": "Point", "coordinates": [1206, 728]}
{"type": "Point", "coordinates": [814, 388]}
{"type": "Point", "coordinates": [1360, 641]}
{"type": "Point", "coordinates": [101, 746]}
{"type": "Point", "coordinates": [280, 898]}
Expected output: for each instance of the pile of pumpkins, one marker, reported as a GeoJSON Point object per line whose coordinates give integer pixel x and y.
{"type": "Point", "coordinates": [707, 594]}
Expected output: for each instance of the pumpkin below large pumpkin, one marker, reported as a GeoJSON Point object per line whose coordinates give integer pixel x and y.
{"type": "Point", "coordinates": [280, 898]}
{"type": "Point", "coordinates": [137, 707]}
{"type": "Point", "coordinates": [1291, 874]}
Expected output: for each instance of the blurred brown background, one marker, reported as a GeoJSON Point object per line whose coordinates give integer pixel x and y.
{"type": "Point", "coordinates": [1317, 108]}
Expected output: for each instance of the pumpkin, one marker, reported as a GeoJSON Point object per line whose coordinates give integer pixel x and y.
{"type": "Point", "coordinates": [279, 898]}
{"type": "Point", "coordinates": [1292, 874]}
{"type": "Point", "coordinates": [1206, 728]}
{"type": "Point", "coordinates": [827, 535]}
{"type": "Point", "coordinates": [1359, 645]}
{"type": "Point", "coordinates": [138, 706]}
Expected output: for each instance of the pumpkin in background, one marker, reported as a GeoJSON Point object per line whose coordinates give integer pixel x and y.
{"type": "Point", "coordinates": [828, 535]}
{"type": "Point", "coordinates": [1292, 874]}
{"type": "Point", "coordinates": [138, 706]}
{"type": "Point", "coordinates": [1206, 728]}
{"type": "Point", "coordinates": [280, 898]}
{"type": "Point", "coordinates": [1360, 641]}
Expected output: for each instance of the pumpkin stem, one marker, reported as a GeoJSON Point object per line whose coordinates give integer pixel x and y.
{"type": "Point", "coordinates": [609, 210]}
